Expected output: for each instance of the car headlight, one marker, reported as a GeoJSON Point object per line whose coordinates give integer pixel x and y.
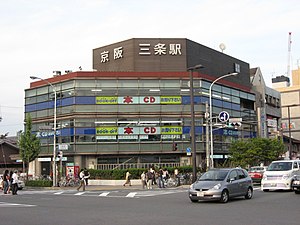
{"type": "Point", "coordinates": [264, 177]}
{"type": "Point", "coordinates": [192, 186]}
{"type": "Point", "coordinates": [217, 186]}
{"type": "Point", "coordinates": [297, 182]}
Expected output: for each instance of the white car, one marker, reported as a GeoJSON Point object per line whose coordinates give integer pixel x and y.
{"type": "Point", "coordinates": [280, 175]}
{"type": "Point", "coordinates": [21, 184]}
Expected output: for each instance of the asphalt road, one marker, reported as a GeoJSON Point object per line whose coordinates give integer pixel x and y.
{"type": "Point", "coordinates": [144, 207]}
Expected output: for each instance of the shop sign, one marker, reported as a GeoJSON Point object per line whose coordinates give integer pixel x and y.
{"type": "Point", "coordinates": [150, 130]}
{"type": "Point", "coordinates": [170, 99]}
{"type": "Point", "coordinates": [112, 137]}
{"type": "Point", "coordinates": [127, 137]}
{"type": "Point", "coordinates": [106, 130]}
{"type": "Point", "coordinates": [171, 130]}
{"type": "Point", "coordinates": [149, 100]}
{"type": "Point", "coordinates": [107, 100]}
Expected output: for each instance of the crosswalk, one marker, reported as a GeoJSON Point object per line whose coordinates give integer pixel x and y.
{"type": "Point", "coordinates": [114, 193]}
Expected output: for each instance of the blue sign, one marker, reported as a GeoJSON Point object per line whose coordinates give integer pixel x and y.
{"type": "Point", "coordinates": [223, 116]}
{"type": "Point", "coordinates": [188, 151]}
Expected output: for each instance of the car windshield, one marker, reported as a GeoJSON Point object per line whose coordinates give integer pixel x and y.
{"type": "Point", "coordinates": [280, 166]}
{"type": "Point", "coordinates": [213, 175]}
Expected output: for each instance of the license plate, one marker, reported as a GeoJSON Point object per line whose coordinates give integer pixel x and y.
{"type": "Point", "coordinates": [200, 194]}
{"type": "Point", "coordinates": [273, 185]}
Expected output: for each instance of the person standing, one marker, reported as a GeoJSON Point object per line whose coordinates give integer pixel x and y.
{"type": "Point", "coordinates": [5, 181]}
{"type": "Point", "coordinates": [161, 183]}
{"type": "Point", "coordinates": [82, 180]}
{"type": "Point", "coordinates": [127, 179]}
{"type": "Point", "coordinates": [143, 179]}
{"type": "Point", "coordinates": [14, 183]}
{"type": "Point", "coordinates": [149, 178]}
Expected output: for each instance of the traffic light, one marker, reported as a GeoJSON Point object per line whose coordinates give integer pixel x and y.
{"type": "Point", "coordinates": [234, 125]}
{"type": "Point", "coordinates": [174, 147]}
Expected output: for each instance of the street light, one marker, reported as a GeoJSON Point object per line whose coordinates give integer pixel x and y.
{"type": "Point", "coordinates": [290, 134]}
{"type": "Point", "coordinates": [54, 129]}
{"type": "Point", "coordinates": [211, 117]}
{"type": "Point", "coordinates": [193, 138]}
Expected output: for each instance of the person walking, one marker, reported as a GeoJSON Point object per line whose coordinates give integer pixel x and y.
{"type": "Point", "coordinates": [87, 176]}
{"type": "Point", "coordinates": [127, 179]}
{"type": "Point", "coordinates": [14, 183]}
{"type": "Point", "coordinates": [82, 180]}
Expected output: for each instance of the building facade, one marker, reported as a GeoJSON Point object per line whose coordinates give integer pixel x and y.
{"type": "Point", "coordinates": [268, 106]}
{"type": "Point", "coordinates": [134, 109]}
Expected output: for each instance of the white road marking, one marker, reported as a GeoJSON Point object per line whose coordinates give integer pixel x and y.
{"type": "Point", "coordinates": [131, 194]}
{"type": "Point", "coordinates": [6, 204]}
{"type": "Point", "coordinates": [59, 193]}
{"type": "Point", "coordinates": [80, 193]}
{"type": "Point", "coordinates": [104, 194]}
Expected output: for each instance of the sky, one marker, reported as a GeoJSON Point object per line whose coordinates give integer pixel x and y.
{"type": "Point", "coordinates": [38, 37]}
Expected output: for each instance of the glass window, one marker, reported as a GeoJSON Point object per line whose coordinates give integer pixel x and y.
{"type": "Point", "coordinates": [217, 87]}
{"type": "Point", "coordinates": [205, 84]}
{"type": "Point", "coordinates": [149, 83]}
{"type": "Point", "coordinates": [170, 83]}
{"type": "Point", "coordinates": [44, 90]}
{"type": "Point", "coordinates": [170, 91]}
{"type": "Point", "coordinates": [106, 83]}
{"type": "Point", "coordinates": [243, 95]}
{"type": "Point", "coordinates": [30, 93]}
{"type": "Point", "coordinates": [235, 92]}
{"type": "Point", "coordinates": [85, 83]}
{"type": "Point", "coordinates": [128, 83]}
{"type": "Point", "coordinates": [67, 85]}
{"type": "Point", "coordinates": [226, 90]}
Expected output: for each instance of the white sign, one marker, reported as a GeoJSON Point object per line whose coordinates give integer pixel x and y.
{"type": "Point", "coordinates": [63, 147]}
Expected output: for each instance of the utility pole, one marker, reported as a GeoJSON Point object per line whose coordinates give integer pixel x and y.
{"type": "Point", "coordinates": [207, 135]}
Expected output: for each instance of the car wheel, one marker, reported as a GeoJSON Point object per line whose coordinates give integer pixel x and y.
{"type": "Point", "coordinates": [249, 193]}
{"type": "Point", "coordinates": [266, 190]}
{"type": "Point", "coordinates": [193, 200]}
{"type": "Point", "coordinates": [297, 191]}
{"type": "Point", "coordinates": [224, 196]}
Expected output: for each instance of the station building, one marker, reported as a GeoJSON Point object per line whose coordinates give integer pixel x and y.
{"type": "Point", "coordinates": [134, 109]}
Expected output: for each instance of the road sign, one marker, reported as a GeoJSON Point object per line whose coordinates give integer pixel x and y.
{"type": "Point", "coordinates": [188, 151]}
{"type": "Point", "coordinates": [223, 116]}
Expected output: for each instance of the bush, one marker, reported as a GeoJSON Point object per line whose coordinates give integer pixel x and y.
{"type": "Point", "coordinates": [119, 174]}
{"type": "Point", "coordinates": [39, 183]}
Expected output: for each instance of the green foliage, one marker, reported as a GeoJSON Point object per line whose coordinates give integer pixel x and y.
{"type": "Point", "coordinates": [118, 174]}
{"type": "Point", "coordinates": [38, 183]}
{"type": "Point", "coordinates": [29, 144]}
{"type": "Point", "coordinates": [255, 151]}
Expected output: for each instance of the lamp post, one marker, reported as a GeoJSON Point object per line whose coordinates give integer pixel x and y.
{"type": "Point", "coordinates": [54, 130]}
{"type": "Point", "coordinates": [192, 132]}
{"type": "Point", "coordinates": [290, 133]}
{"type": "Point", "coordinates": [211, 117]}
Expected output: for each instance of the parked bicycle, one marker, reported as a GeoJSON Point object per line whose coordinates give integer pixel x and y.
{"type": "Point", "coordinates": [69, 182]}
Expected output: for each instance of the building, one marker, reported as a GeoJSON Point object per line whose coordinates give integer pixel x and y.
{"type": "Point", "coordinates": [9, 157]}
{"type": "Point", "coordinates": [134, 109]}
{"type": "Point", "coordinates": [290, 105]}
{"type": "Point", "coordinates": [268, 106]}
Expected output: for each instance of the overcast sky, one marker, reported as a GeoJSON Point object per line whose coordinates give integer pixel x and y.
{"type": "Point", "coordinates": [38, 37]}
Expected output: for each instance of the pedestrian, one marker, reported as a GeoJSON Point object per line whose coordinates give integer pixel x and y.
{"type": "Point", "coordinates": [161, 183]}
{"type": "Point", "coordinates": [5, 181]}
{"type": "Point", "coordinates": [127, 179]}
{"type": "Point", "coordinates": [149, 178]}
{"type": "Point", "coordinates": [87, 176]}
{"type": "Point", "coordinates": [14, 183]}
{"type": "Point", "coordinates": [152, 170]}
{"type": "Point", "coordinates": [82, 180]}
{"type": "Point", "coordinates": [177, 176]}
{"type": "Point", "coordinates": [143, 180]}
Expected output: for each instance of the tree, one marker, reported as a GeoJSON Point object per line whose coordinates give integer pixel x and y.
{"type": "Point", "coordinates": [254, 151]}
{"type": "Point", "coordinates": [29, 144]}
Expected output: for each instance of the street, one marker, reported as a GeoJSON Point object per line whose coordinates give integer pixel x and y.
{"type": "Point", "coordinates": [136, 206]}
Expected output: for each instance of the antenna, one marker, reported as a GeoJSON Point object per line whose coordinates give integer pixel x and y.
{"type": "Point", "coordinates": [222, 47]}
{"type": "Point", "coordinates": [289, 55]}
